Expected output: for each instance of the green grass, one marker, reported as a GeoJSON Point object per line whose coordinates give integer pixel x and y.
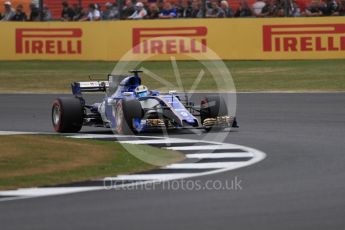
{"type": "Point", "coordinates": [37, 160]}
{"type": "Point", "coordinates": [56, 76]}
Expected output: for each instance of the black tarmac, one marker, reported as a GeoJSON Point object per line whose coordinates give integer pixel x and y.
{"type": "Point", "coordinates": [300, 185]}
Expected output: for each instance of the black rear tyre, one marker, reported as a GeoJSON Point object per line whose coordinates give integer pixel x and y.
{"type": "Point", "coordinates": [67, 115]}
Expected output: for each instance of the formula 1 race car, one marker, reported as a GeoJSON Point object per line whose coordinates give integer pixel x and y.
{"type": "Point", "coordinates": [129, 107]}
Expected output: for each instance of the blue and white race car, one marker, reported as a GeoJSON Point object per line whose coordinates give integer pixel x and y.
{"type": "Point", "coordinates": [129, 107]}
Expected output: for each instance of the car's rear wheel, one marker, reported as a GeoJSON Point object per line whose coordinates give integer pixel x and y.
{"type": "Point", "coordinates": [67, 115]}
{"type": "Point", "coordinates": [212, 107]}
{"type": "Point", "coordinates": [126, 112]}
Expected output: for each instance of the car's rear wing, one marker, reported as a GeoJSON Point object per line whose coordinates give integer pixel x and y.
{"type": "Point", "coordinates": [98, 85]}
{"type": "Point", "coordinates": [89, 86]}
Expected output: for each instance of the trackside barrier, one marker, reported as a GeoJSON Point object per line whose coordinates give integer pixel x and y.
{"type": "Point", "coordinates": [185, 39]}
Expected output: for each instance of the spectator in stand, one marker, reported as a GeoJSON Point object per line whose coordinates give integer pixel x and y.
{"type": "Point", "coordinates": [79, 12]}
{"type": "Point", "coordinates": [227, 9]}
{"type": "Point", "coordinates": [139, 12]}
{"type": "Point", "coordinates": [294, 9]}
{"type": "Point", "coordinates": [153, 11]}
{"type": "Point", "coordinates": [168, 11]}
{"type": "Point", "coordinates": [47, 15]}
{"type": "Point", "coordinates": [93, 15]}
{"type": "Point", "coordinates": [271, 9]}
{"type": "Point", "coordinates": [116, 8]}
{"type": "Point", "coordinates": [67, 12]}
{"type": "Point", "coordinates": [98, 7]}
{"type": "Point", "coordinates": [184, 10]}
{"type": "Point", "coordinates": [20, 15]}
{"type": "Point", "coordinates": [214, 11]}
{"type": "Point", "coordinates": [314, 9]}
{"type": "Point", "coordinates": [9, 12]}
{"type": "Point", "coordinates": [341, 8]}
{"type": "Point", "coordinates": [196, 9]}
{"type": "Point", "coordinates": [268, 10]}
{"type": "Point", "coordinates": [174, 4]}
{"type": "Point", "coordinates": [128, 9]}
{"type": "Point", "coordinates": [257, 7]}
{"type": "Point", "coordinates": [145, 3]}
{"type": "Point", "coordinates": [301, 5]}
{"type": "Point", "coordinates": [244, 10]}
{"type": "Point", "coordinates": [110, 12]}
{"type": "Point", "coordinates": [331, 8]}
{"type": "Point", "coordinates": [280, 8]}
{"type": "Point", "coordinates": [106, 12]}
{"type": "Point", "coordinates": [34, 13]}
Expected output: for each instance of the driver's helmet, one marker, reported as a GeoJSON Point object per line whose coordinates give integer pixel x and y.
{"type": "Point", "coordinates": [141, 91]}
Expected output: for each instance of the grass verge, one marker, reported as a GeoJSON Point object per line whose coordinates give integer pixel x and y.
{"type": "Point", "coordinates": [38, 160]}
{"type": "Point", "coordinates": [56, 76]}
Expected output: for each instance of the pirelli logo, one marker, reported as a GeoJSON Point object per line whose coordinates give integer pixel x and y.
{"type": "Point", "coordinates": [176, 40]}
{"type": "Point", "coordinates": [49, 41]}
{"type": "Point", "coordinates": [305, 38]}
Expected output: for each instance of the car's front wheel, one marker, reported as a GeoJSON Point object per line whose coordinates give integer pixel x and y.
{"type": "Point", "coordinates": [212, 107]}
{"type": "Point", "coordinates": [67, 115]}
{"type": "Point", "coordinates": [126, 112]}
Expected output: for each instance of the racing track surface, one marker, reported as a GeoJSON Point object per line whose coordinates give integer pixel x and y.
{"type": "Point", "coordinates": [300, 185]}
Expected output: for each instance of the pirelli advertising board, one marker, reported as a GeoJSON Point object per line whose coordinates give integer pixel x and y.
{"type": "Point", "coordinates": [231, 39]}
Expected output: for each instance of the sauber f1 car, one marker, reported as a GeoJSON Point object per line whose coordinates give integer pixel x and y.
{"type": "Point", "coordinates": [126, 110]}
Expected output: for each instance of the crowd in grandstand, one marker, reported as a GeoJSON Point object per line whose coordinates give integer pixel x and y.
{"type": "Point", "coordinates": [148, 9]}
{"type": "Point", "coordinates": [17, 14]}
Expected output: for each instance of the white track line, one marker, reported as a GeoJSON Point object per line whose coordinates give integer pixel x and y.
{"type": "Point", "coordinates": [215, 165]}
{"type": "Point", "coordinates": [206, 147]}
{"type": "Point", "coordinates": [160, 177]}
{"type": "Point", "coordinates": [219, 155]}
{"type": "Point", "coordinates": [160, 141]}
{"type": "Point", "coordinates": [36, 192]}
{"type": "Point", "coordinates": [103, 136]}
{"type": "Point", "coordinates": [3, 133]}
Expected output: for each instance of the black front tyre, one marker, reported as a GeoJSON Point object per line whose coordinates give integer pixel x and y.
{"type": "Point", "coordinates": [67, 115]}
{"type": "Point", "coordinates": [212, 107]}
{"type": "Point", "coordinates": [126, 111]}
